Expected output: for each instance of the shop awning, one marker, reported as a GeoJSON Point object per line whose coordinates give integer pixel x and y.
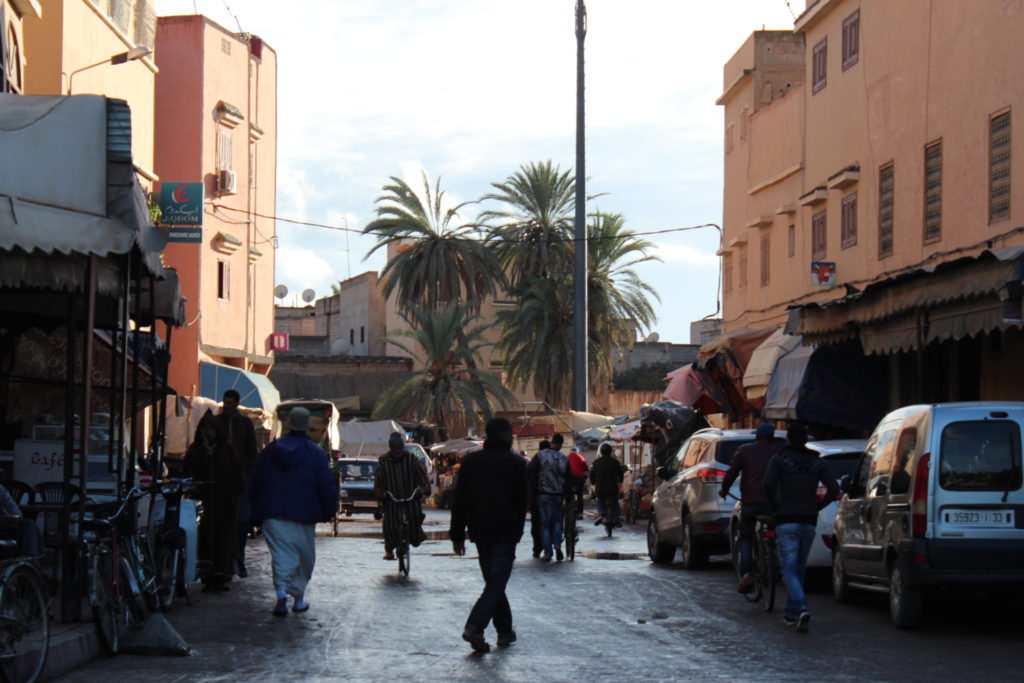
{"type": "Point", "coordinates": [833, 385]}
{"type": "Point", "coordinates": [686, 386]}
{"type": "Point", "coordinates": [763, 361]}
{"type": "Point", "coordinates": [951, 300]}
{"type": "Point", "coordinates": [80, 194]}
{"type": "Point", "coordinates": [256, 390]}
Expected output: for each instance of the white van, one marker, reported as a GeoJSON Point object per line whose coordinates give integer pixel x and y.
{"type": "Point", "coordinates": [937, 500]}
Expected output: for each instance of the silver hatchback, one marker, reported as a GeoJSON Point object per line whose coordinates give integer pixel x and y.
{"type": "Point", "coordinates": [686, 511]}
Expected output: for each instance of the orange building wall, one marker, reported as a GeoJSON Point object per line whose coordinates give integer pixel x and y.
{"type": "Point", "coordinates": [203, 65]}
{"type": "Point", "coordinates": [926, 70]}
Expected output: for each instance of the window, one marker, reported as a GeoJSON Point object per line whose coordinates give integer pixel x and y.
{"type": "Point", "coordinates": [223, 280]}
{"type": "Point", "coordinates": [819, 64]}
{"type": "Point", "coordinates": [819, 247]}
{"type": "Point", "coordinates": [851, 40]}
{"type": "Point", "coordinates": [849, 222]}
{"type": "Point", "coordinates": [980, 456]}
{"type": "Point", "coordinates": [933, 191]}
{"type": "Point", "coordinates": [694, 453]}
{"type": "Point", "coordinates": [766, 260]}
{"type": "Point", "coordinates": [881, 462]}
{"type": "Point", "coordinates": [362, 334]}
{"type": "Point", "coordinates": [726, 274]}
{"type": "Point", "coordinates": [224, 148]}
{"type": "Point", "coordinates": [743, 269]}
{"type": "Point", "coordinates": [352, 337]}
{"type": "Point", "coordinates": [886, 194]}
{"type": "Point", "coordinates": [903, 462]}
{"type": "Point", "coordinates": [791, 246]}
{"type": "Point", "coordinates": [10, 61]}
{"type": "Point", "coordinates": [999, 168]}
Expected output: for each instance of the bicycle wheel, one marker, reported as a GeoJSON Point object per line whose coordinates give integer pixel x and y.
{"type": "Point", "coordinates": [168, 565]}
{"type": "Point", "coordinates": [569, 524]}
{"type": "Point", "coordinates": [104, 597]}
{"type": "Point", "coordinates": [766, 573]}
{"type": "Point", "coordinates": [402, 550]}
{"type": "Point", "coordinates": [24, 625]}
{"type": "Point", "coordinates": [131, 603]}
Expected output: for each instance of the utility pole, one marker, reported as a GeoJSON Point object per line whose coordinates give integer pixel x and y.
{"type": "Point", "coordinates": [580, 385]}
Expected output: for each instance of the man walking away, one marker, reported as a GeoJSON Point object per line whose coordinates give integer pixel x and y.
{"type": "Point", "coordinates": [242, 437]}
{"type": "Point", "coordinates": [532, 476]}
{"type": "Point", "coordinates": [400, 472]}
{"type": "Point", "coordinates": [552, 485]}
{"type": "Point", "coordinates": [291, 490]}
{"type": "Point", "coordinates": [791, 487]}
{"type": "Point", "coordinates": [490, 499]}
{"type": "Point", "coordinates": [607, 475]}
{"type": "Point", "coordinates": [750, 460]}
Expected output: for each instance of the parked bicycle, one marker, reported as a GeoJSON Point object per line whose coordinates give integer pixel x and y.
{"type": "Point", "coordinates": [24, 613]}
{"type": "Point", "coordinates": [569, 527]}
{"type": "Point", "coordinates": [404, 529]}
{"type": "Point", "coordinates": [173, 534]}
{"type": "Point", "coordinates": [123, 582]}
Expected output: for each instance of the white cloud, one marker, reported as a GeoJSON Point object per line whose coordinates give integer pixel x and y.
{"type": "Point", "coordinates": [299, 268]}
{"type": "Point", "coordinates": [686, 255]}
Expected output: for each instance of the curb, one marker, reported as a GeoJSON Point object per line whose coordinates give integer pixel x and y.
{"type": "Point", "coordinates": [71, 646]}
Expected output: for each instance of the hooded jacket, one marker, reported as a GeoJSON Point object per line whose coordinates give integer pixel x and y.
{"type": "Point", "coordinates": [791, 485]}
{"type": "Point", "coordinates": [292, 481]}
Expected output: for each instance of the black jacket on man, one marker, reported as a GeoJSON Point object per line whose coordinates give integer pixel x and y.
{"type": "Point", "coordinates": [490, 497]}
{"type": "Point", "coordinates": [751, 460]}
{"type": "Point", "coordinates": [791, 485]}
{"type": "Point", "coordinates": [606, 474]}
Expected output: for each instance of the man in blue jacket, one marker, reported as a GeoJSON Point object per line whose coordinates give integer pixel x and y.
{"type": "Point", "coordinates": [291, 490]}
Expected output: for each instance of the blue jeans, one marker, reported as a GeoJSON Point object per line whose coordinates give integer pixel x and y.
{"type": "Point", "coordinates": [602, 508]}
{"type": "Point", "coordinates": [550, 522]}
{"type": "Point", "coordinates": [496, 560]}
{"type": "Point", "coordinates": [793, 543]}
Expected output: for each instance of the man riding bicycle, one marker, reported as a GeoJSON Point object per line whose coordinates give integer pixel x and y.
{"type": "Point", "coordinates": [606, 475]}
{"type": "Point", "coordinates": [578, 471]}
{"type": "Point", "coordinates": [750, 460]}
{"type": "Point", "coordinates": [400, 473]}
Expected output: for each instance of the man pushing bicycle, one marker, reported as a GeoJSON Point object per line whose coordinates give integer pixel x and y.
{"type": "Point", "coordinates": [400, 473]}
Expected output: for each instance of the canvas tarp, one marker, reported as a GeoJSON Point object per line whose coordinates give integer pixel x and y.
{"type": "Point", "coordinates": [367, 439]}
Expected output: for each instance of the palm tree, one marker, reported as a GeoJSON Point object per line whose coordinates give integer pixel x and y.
{"type": "Point", "coordinates": [438, 262]}
{"type": "Point", "coordinates": [617, 299]}
{"type": "Point", "coordinates": [449, 389]}
{"type": "Point", "coordinates": [537, 337]}
{"type": "Point", "coordinates": [532, 233]}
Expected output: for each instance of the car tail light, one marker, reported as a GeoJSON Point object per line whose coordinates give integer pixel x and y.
{"type": "Point", "coordinates": [822, 490]}
{"type": "Point", "coordinates": [711, 526]}
{"type": "Point", "coordinates": [769, 533]}
{"type": "Point", "coordinates": [827, 540]}
{"type": "Point", "coordinates": [919, 498]}
{"type": "Point", "coordinates": [710, 475]}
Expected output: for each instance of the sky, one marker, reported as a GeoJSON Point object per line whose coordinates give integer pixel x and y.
{"type": "Point", "coordinates": [470, 90]}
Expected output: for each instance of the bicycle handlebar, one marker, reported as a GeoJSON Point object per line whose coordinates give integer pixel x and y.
{"type": "Point", "coordinates": [415, 492]}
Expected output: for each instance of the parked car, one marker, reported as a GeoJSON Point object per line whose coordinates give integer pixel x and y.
{"type": "Point", "coordinates": [841, 456]}
{"type": "Point", "coordinates": [936, 501]}
{"type": "Point", "coordinates": [357, 475]}
{"type": "Point", "coordinates": [686, 511]}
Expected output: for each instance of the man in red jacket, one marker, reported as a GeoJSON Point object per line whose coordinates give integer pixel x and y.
{"type": "Point", "coordinates": [578, 471]}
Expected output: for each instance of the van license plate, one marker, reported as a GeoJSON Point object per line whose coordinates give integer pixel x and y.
{"type": "Point", "coordinates": [365, 503]}
{"type": "Point", "coordinates": [979, 517]}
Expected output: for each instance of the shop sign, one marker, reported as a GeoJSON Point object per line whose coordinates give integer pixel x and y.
{"type": "Point", "coordinates": [279, 341]}
{"type": "Point", "coordinates": [191, 234]}
{"type": "Point", "coordinates": [823, 273]}
{"type": "Point", "coordinates": [181, 204]}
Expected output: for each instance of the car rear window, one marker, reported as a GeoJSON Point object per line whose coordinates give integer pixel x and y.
{"type": "Point", "coordinates": [981, 455]}
{"type": "Point", "coordinates": [843, 465]}
{"type": "Point", "coordinates": [358, 470]}
{"type": "Point", "coordinates": [726, 449]}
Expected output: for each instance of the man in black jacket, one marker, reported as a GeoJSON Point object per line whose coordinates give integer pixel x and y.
{"type": "Point", "coordinates": [751, 460]}
{"type": "Point", "coordinates": [606, 475]}
{"type": "Point", "coordinates": [791, 486]}
{"type": "Point", "coordinates": [490, 499]}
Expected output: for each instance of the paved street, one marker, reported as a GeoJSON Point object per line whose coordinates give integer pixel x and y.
{"type": "Point", "coordinates": [594, 619]}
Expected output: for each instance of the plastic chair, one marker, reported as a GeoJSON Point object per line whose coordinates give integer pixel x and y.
{"type": "Point", "coordinates": [55, 493]}
{"type": "Point", "coordinates": [22, 493]}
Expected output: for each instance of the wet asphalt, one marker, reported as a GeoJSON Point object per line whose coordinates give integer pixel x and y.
{"type": "Point", "coordinates": [593, 619]}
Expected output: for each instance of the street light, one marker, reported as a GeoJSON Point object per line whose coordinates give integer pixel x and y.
{"type": "Point", "coordinates": [137, 52]}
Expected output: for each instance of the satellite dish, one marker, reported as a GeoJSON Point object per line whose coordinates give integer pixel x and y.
{"type": "Point", "coordinates": [652, 337]}
{"type": "Point", "coordinates": [280, 291]}
{"type": "Point", "coordinates": [308, 295]}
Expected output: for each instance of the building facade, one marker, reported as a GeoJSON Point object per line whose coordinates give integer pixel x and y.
{"type": "Point", "coordinates": [216, 102]}
{"type": "Point", "coordinates": [866, 152]}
